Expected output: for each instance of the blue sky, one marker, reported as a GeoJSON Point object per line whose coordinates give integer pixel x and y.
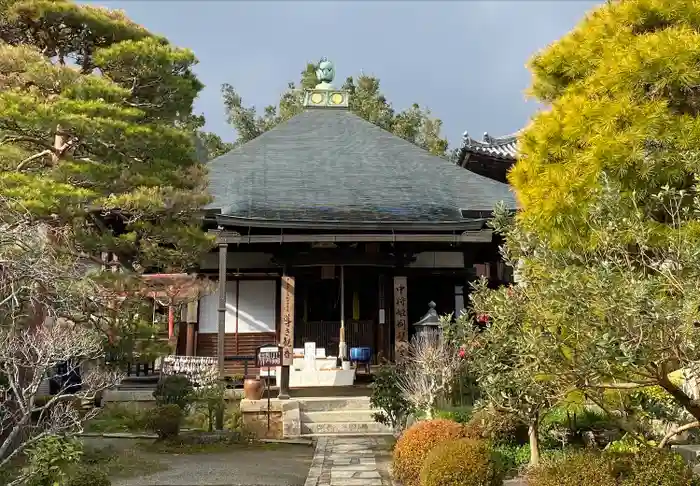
{"type": "Point", "coordinates": [465, 60]}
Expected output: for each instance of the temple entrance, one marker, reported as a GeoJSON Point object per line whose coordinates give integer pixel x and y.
{"type": "Point", "coordinates": [319, 310]}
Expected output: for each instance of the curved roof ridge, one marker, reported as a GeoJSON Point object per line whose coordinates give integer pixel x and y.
{"type": "Point", "coordinates": [503, 147]}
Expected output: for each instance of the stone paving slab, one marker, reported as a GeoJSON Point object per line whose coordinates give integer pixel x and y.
{"type": "Point", "coordinates": [349, 461]}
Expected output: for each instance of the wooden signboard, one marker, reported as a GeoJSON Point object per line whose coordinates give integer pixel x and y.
{"type": "Point", "coordinates": [400, 316]}
{"type": "Point", "coordinates": [287, 327]}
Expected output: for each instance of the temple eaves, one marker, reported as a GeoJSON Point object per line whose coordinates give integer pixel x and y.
{"type": "Point", "coordinates": [505, 148]}
{"type": "Point", "coordinates": [325, 95]}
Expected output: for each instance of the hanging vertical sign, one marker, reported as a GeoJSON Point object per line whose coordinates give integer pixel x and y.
{"type": "Point", "coordinates": [287, 327]}
{"type": "Point", "coordinates": [400, 316]}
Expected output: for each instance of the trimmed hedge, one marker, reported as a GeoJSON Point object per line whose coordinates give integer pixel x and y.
{"type": "Point", "coordinates": [414, 445]}
{"type": "Point", "coordinates": [581, 468]}
{"type": "Point", "coordinates": [461, 462]}
{"type": "Point", "coordinates": [590, 468]}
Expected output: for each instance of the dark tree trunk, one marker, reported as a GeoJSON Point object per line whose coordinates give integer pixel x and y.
{"type": "Point", "coordinates": [692, 406]}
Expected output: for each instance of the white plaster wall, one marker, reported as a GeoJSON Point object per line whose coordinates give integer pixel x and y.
{"type": "Point", "coordinates": [257, 308]}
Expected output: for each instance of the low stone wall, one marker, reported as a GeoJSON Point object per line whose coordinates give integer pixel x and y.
{"type": "Point", "coordinates": [144, 398]}
{"type": "Point", "coordinates": [132, 398]}
{"type": "Point", "coordinates": [285, 418]}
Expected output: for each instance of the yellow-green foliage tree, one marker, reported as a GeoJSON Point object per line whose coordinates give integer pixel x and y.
{"type": "Point", "coordinates": [623, 95]}
{"type": "Point", "coordinates": [607, 244]}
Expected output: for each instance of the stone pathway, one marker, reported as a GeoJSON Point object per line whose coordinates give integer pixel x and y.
{"type": "Point", "coordinates": [350, 461]}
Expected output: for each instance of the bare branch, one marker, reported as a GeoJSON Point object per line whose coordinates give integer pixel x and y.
{"type": "Point", "coordinates": [670, 435]}
{"type": "Point", "coordinates": [24, 162]}
{"type": "Point", "coordinates": [431, 365]}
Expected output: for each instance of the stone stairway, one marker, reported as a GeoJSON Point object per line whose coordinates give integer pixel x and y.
{"type": "Point", "coordinates": [332, 416]}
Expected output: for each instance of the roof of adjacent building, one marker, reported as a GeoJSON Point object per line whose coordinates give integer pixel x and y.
{"type": "Point", "coordinates": [328, 165]}
{"type": "Point", "coordinates": [505, 148]}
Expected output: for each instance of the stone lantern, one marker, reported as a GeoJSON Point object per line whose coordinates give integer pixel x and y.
{"type": "Point", "coordinates": [429, 324]}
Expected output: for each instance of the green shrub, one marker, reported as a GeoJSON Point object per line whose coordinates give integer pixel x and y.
{"type": "Point", "coordinates": [512, 457]}
{"type": "Point", "coordinates": [233, 418]}
{"type": "Point", "coordinates": [562, 426]}
{"type": "Point", "coordinates": [580, 468]}
{"type": "Point", "coordinates": [87, 476]}
{"type": "Point", "coordinates": [497, 427]}
{"type": "Point", "coordinates": [460, 415]}
{"type": "Point", "coordinates": [49, 458]}
{"type": "Point", "coordinates": [655, 467]}
{"type": "Point", "coordinates": [210, 406]}
{"type": "Point", "coordinates": [117, 418]}
{"type": "Point", "coordinates": [386, 397]}
{"type": "Point", "coordinates": [414, 445]}
{"type": "Point", "coordinates": [174, 390]}
{"type": "Point", "coordinates": [590, 468]}
{"type": "Point", "coordinates": [461, 462]}
{"type": "Point", "coordinates": [165, 420]}
{"type": "Point", "coordinates": [657, 403]}
{"type": "Point", "coordinates": [628, 444]}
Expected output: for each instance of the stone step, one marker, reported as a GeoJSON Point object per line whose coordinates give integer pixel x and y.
{"type": "Point", "coordinates": [329, 404]}
{"type": "Point", "coordinates": [335, 416]}
{"type": "Point", "coordinates": [344, 428]}
{"type": "Point", "coordinates": [689, 452]}
{"type": "Point", "coordinates": [344, 436]}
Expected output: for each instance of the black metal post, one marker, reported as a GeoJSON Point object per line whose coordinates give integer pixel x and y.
{"type": "Point", "coordinates": [267, 386]}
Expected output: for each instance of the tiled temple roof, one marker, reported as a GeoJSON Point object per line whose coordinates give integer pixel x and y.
{"type": "Point", "coordinates": [490, 157]}
{"type": "Point", "coordinates": [327, 164]}
{"type": "Point", "coordinates": [497, 147]}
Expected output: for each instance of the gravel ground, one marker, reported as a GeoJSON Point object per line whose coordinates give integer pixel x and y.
{"type": "Point", "coordinates": [283, 465]}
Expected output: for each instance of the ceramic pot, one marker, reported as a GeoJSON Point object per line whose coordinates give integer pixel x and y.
{"type": "Point", "coordinates": [253, 388]}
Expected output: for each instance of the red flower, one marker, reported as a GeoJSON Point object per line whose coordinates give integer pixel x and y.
{"type": "Point", "coordinates": [462, 353]}
{"type": "Point", "coordinates": [482, 318]}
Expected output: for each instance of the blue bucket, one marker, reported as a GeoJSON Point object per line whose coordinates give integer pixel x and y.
{"type": "Point", "coordinates": [360, 355]}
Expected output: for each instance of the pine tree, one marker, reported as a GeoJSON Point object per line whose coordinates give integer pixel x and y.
{"type": "Point", "coordinates": [99, 145]}
{"type": "Point", "coordinates": [94, 132]}
{"type": "Point", "coordinates": [622, 99]}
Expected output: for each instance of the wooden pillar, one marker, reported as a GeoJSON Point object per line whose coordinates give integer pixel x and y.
{"type": "Point", "coordinates": [286, 334]}
{"type": "Point", "coordinates": [171, 322]}
{"type": "Point", "coordinates": [223, 250]}
{"type": "Point", "coordinates": [400, 317]}
{"type": "Point", "coordinates": [381, 338]}
{"type": "Point", "coordinates": [191, 320]}
{"type": "Point", "coordinates": [342, 345]}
